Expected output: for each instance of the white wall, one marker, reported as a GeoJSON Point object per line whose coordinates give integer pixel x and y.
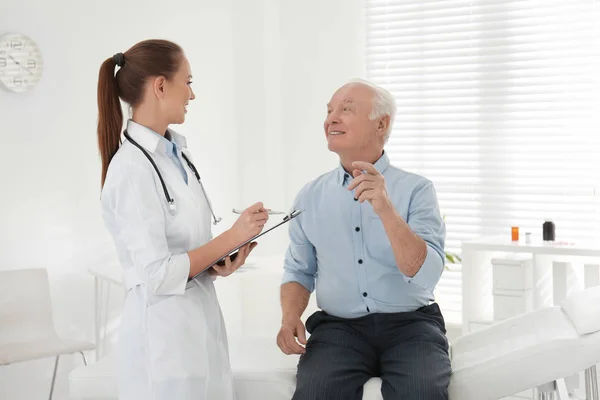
{"type": "Point", "coordinates": [264, 71]}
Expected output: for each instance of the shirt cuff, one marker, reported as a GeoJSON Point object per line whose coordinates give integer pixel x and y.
{"type": "Point", "coordinates": [305, 280]}
{"type": "Point", "coordinates": [430, 272]}
{"type": "Point", "coordinates": [176, 276]}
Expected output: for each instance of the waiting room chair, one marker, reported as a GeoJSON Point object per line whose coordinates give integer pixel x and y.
{"type": "Point", "coordinates": [26, 325]}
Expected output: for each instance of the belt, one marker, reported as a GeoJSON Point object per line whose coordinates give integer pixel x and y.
{"type": "Point", "coordinates": [131, 278]}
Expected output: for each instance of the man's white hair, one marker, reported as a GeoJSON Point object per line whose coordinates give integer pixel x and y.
{"type": "Point", "coordinates": [384, 104]}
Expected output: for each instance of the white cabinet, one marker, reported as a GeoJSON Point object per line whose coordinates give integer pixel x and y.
{"type": "Point", "coordinates": [512, 286]}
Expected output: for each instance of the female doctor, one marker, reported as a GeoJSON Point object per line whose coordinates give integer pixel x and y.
{"type": "Point", "coordinates": [172, 339]}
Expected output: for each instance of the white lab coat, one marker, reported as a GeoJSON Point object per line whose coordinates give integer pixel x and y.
{"type": "Point", "coordinates": [172, 338]}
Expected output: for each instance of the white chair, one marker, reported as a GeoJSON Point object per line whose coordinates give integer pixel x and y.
{"type": "Point", "coordinates": [26, 324]}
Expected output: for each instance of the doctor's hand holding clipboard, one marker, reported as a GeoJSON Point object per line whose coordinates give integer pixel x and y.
{"type": "Point", "coordinates": [235, 258]}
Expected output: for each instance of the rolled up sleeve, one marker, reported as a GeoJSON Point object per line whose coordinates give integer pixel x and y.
{"type": "Point", "coordinates": [425, 220]}
{"type": "Point", "coordinates": [135, 217]}
{"type": "Point", "coordinates": [300, 263]}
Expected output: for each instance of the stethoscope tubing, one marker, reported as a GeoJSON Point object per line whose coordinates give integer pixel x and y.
{"type": "Point", "coordinates": [168, 197]}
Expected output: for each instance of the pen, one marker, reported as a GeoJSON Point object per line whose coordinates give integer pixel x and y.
{"type": "Point", "coordinates": [271, 212]}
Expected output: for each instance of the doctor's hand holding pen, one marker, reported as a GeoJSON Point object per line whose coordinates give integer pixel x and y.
{"type": "Point", "coordinates": [250, 223]}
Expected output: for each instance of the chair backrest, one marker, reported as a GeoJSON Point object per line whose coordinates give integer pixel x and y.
{"type": "Point", "coordinates": [25, 306]}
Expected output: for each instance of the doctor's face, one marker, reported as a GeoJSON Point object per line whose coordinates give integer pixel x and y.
{"type": "Point", "coordinates": [179, 93]}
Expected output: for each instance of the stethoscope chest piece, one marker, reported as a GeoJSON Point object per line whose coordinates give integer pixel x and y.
{"type": "Point", "coordinates": [172, 207]}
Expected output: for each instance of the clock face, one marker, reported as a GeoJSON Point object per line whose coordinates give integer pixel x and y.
{"type": "Point", "coordinates": [21, 62]}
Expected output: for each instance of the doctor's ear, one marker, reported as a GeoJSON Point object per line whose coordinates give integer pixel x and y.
{"type": "Point", "coordinates": [158, 86]}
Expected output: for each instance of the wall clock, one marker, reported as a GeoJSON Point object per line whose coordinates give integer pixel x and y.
{"type": "Point", "coordinates": [21, 62]}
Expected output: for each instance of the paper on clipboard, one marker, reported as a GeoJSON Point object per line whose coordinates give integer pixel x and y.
{"type": "Point", "coordinates": [285, 220]}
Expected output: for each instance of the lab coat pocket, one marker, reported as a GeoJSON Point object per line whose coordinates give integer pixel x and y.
{"type": "Point", "coordinates": [177, 337]}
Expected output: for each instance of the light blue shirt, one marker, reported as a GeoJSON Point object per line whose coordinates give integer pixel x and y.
{"type": "Point", "coordinates": [339, 246]}
{"type": "Point", "coordinates": [172, 152]}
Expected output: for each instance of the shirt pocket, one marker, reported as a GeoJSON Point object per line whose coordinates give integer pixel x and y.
{"type": "Point", "coordinates": [376, 241]}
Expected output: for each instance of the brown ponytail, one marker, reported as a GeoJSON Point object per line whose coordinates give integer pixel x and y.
{"type": "Point", "coordinates": [110, 116]}
{"type": "Point", "coordinates": [146, 59]}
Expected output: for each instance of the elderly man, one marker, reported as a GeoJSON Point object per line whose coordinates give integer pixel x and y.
{"type": "Point", "coordinates": [372, 241]}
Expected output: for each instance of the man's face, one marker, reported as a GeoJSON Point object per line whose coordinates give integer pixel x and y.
{"type": "Point", "coordinates": [347, 127]}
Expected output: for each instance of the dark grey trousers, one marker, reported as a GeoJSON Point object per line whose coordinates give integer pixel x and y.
{"type": "Point", "coordinates": [409, 351]}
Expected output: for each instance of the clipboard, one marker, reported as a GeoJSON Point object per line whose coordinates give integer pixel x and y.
{"type": "Point", "coordinates": [233, 252]}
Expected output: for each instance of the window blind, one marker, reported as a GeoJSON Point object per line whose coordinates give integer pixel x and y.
{"type": "Point", "coordinates": [498, 105]}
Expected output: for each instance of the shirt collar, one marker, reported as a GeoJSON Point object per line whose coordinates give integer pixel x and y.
{"type": "Point", "coordinates": [152, 141]}
{"type": "Point", "coordinates": [380, 165]}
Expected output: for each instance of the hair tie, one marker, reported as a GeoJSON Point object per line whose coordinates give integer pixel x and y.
{"type": "Point", "coordinates": [119, 59]}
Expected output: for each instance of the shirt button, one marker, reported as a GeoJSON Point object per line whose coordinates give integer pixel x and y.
{"type": "Point", "coordinates": [357, 229]}
{"type": "Point", "coordinates": [364, 294]}
{"type": "Point", "coordinates": [360, 261]}
{"type": "Point", "coordinates": [346, 176]}
{"type": "Point", "coordinates": [355, 199]}
{"type": "Point", "coordinates": [368, 309]}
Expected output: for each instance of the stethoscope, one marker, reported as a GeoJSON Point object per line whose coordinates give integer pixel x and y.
{"type": "Point", "coordinates": [170, 200]}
